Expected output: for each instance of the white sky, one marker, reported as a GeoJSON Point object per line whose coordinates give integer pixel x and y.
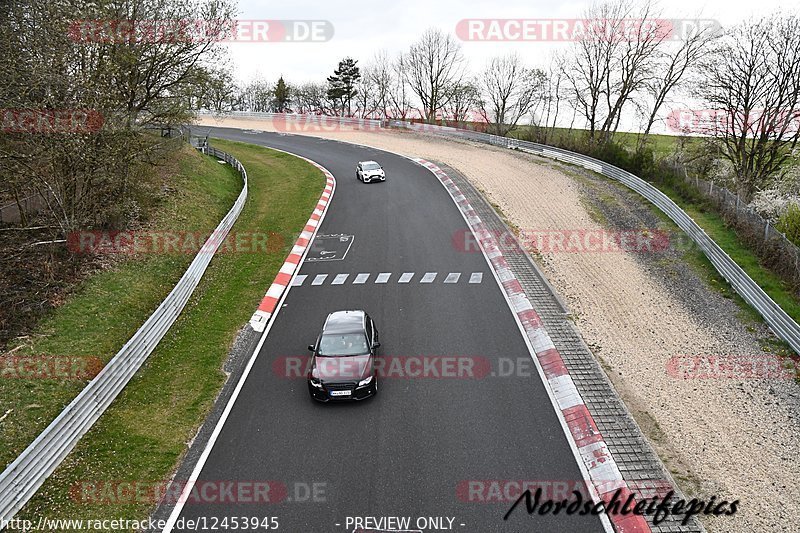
{"type": "Point", "coordinates": [365, 27]}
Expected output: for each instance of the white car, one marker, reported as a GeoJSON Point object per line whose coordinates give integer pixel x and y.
{"type": "Point", "coordinates": [368, 171]}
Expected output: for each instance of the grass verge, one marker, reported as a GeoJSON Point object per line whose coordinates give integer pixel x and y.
{"type": "Point", "coordinates": [727, 239]}
{"type": "Point", "coordinates": [143, 435]}
{"type": "Point", "coordinates": [109, 306]}
{"type": "Point", "coordinates": [661, 144]}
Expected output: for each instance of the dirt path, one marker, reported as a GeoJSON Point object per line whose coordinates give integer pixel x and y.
{"type": "Point", "coordinates": [734, 438]}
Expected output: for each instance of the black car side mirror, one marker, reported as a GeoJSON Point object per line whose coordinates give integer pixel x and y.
{"type": "Point", "coordinates": [376, 345]}
{"type": "Point", "coordinates": [311, 347]}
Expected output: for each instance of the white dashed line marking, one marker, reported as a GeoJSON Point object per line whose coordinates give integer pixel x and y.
{"type": "Point", "coordinates": [428, 277]}
{"type": "Point", "coordinates": [452, 277]}
{"type": "Point", "coordinates": [384, 278]}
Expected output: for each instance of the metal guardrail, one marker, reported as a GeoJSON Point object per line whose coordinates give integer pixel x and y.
{"type": "Point", "coordinates": [296, 121]}
{"type": "Point", "coordinates": [780, 322]}
{"type": "Point", "coordinates": [22, 478]}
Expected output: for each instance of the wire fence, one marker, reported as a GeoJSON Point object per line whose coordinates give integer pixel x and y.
{"type": "Point", "coordinates": [770, 244]}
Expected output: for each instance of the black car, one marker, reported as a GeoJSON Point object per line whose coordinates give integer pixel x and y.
{"type": "Point", "coordinates": [343, 360]}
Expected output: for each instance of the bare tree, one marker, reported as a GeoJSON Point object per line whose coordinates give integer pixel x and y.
{"type": "Point", "coordinates": [366, 96]}
{"type": "Point", "coordinates": [465, 103]}
{"type": "Point", "coordinates": [399, 91]}
{"type": "Point", "coordinates": [554, 93]}
{"type": "Point", "coordinates": [150, 72]}
{"type": "Point", "coordinates": [671, 69]}
{"type": "Point", "coordinates": [219, 93]}
{"type": "Point", "coordinates": [256, 96]}
{"type": "Point", "coordinates": [133, 81]}
{"type": "Point", "coordinates": [751, 82]}
{"type": "Point", "coordinates": [379, 75]}
{"type": "Point", "coordinates": [435, 66]}
{"type": "Point", "coordinates": [312, 98]}
{"type": "Point", "coordinates": [510, 90]}
{"type": "Point", "coordinates": [613, 60]}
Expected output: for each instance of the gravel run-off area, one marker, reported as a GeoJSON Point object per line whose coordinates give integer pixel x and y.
{"type": "Point", "coordinates": [729, 436]}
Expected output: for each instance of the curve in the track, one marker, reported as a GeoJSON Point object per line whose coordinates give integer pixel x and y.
{"type": "Point", "coordinates": [413, 450]}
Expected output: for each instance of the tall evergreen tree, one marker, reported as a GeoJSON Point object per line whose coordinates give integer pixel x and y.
{"type": "Point", "coordinates": [341, 86]}
{"type": "Point", "coordinates": [282, 96]}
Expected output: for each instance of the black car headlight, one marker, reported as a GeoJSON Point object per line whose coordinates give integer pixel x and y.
{"type": "Point", "coordinates": [315, 382]}
{"type": "Point", "coordinates": [366, 381]}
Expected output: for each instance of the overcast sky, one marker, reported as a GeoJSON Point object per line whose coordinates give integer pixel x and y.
{"type": "Point", "coordinates": [362, 28]}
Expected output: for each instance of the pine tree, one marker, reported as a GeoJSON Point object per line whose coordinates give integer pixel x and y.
{"type": "Point", "coordinates": [281, 96]}
{"type": "Point", "coordinates": [341, 86]}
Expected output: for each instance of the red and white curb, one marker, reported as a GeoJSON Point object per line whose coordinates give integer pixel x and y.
{"type": "Point", "coordinates": [260, 322]}
{"type": "Point", "coordinates": [292, 264]}
{"type": "Point", "coordinates": [597, 460]}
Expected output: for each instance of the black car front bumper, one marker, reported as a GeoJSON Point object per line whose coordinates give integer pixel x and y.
{"type": "Point", "coordinates": [356, 393]}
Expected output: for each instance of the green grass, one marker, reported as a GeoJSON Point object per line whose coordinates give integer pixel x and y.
{"type": "Point", "coordinates": [111, 305]}
{"type": "Point", "coordinates": [662, 145]}
{"type": "Point", "coordinates": [143, 435]}
{"type": "Point", "coordinates": [701, 210]}
{"type": "Point", "coordinates": [726, 237]}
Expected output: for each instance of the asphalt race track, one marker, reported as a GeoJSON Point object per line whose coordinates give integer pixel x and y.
{"type": "Point", "coordinates": [411, 450]}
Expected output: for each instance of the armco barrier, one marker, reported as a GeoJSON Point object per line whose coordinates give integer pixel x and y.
{"type": "Point", "coordinates": [22, 478]}
{"type": "Point", "coordinates": [781, 323]}
{"type": "Point", "coordinates": [309, 121]}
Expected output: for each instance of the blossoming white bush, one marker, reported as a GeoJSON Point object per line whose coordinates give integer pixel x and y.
{"type": "Point", "coordinates": [721, 173]}
{"type": "Point", "coordinates": [770, 203]}
{"type": "Point", "coordinates": [773, 202]}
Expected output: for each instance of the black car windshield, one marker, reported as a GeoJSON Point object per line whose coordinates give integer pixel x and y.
{"type": "Point", "coordinates": [343, 344]}
{"type": "Point", "coordinates": [371, 166]}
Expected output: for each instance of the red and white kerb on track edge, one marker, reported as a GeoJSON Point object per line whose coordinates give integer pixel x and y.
{"type": "Point", "coordinates": [267, 306]}
{"type": "Point", "coordinates": [597, 459]}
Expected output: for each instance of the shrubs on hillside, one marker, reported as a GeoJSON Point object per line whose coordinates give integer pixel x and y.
{"type": "Point", "coordinates": [789, 223]}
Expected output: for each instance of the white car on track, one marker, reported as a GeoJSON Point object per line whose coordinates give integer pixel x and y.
{"type": "Point", "coordinates": [368, 171]}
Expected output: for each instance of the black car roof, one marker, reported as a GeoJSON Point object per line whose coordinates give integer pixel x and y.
{"type": "Point", "coordinates": [344, 322]}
